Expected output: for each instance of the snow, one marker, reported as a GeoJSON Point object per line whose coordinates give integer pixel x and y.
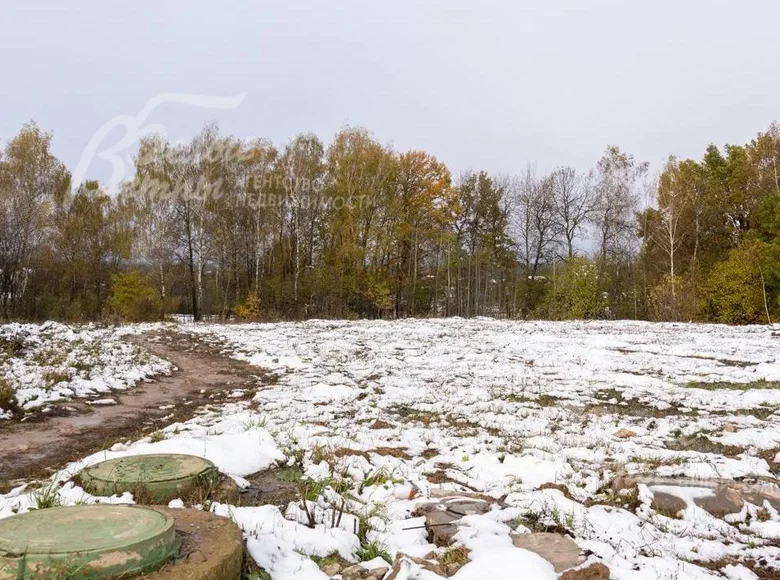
{"type": "Point", "coordinates": [54, 362]}
{"type": "Point", "coordinates": [500, 408]}
{"type": "Point", "coordinates": [504, 562]}
{"type": "Point", "coordinates": [227, 440]}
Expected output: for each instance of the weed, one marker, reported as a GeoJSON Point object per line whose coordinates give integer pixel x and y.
{"type": "Point", "coordinates": [11, 346]}
{"type": "Point", "coordinates": [703, 444]}
{"type": "Point", "coordinates": [53, 377]}
{"type": "Point", "coordinates": [759, 384]}
{"type": "Point", "coordinates": [157, 436]}
{"type": "Point", "coordinates": [370, 550]}
{"type": "Point", "coordinates": [255, 423]}
{"type": "Point", "coordinates": [547, 400]}
{"type": "Point", "coordinates": [548, 518]}
{"type": "Point", "coordinates": [289, 474]}
{"type": "Point", "coordinates": [46, 497]}
{"type": "Point", "coordinates": [7, 396]}
{"type": "Point", "coordinates": [320, 453]}
{"type": "Point", "coordinates": [334, 558]}
{"type": "Point", "coordinates": [379, 477]}
{"type": "Point", "coordinates": [455, 558]}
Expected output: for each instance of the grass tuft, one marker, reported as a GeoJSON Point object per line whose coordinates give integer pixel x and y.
{"type": "Point", "coordinates": [721, 385]}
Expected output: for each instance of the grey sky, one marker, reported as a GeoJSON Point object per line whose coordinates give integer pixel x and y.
{"type": "Point", "coordinates": [483, 85]}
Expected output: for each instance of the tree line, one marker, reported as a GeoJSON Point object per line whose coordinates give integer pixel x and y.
{"type": "Point", "coordinates": [245, 229]}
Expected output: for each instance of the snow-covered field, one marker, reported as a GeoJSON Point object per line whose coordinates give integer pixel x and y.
{"type": "Point", "coordinates": [541, 417]}
{"type": "Point", "coordinates": [52, 362]}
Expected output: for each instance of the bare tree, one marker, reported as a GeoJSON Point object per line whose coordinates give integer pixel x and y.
{"type": "Point", "coordinates": [574, 198]}
{"type": "Point", "coordinates": [616, 201]}
{"type": "Point", "coordinates": [533, 225]}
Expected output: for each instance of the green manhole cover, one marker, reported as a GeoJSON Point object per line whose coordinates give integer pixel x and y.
{"type": "Point", "coordinates": [153, 478]}
{"type": "Point", "coordinates": [86, 542]}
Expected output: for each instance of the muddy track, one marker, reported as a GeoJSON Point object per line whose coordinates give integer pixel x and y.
{"type": "Point", "coordinates": [46, 442]}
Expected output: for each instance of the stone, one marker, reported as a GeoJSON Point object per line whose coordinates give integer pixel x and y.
{"type": "Point", "coordinates": [621, 482]}
{"type": "Point", "coordinates": [559, 550]}
{"type": "Point", "coordinates": [404, 563]}
{"type": "Point", "coordinates": [727, 496]}
{"type": "Point", "coordinates": [333, 564]}
{"type": "Point", "coordinates": [624, 434]}
{"type": "Point", "coordinates": [559, 486]}
{"type": "Point", "coordinates": [667, 504]}
{"type": "Point", "coordinates": [451, 569]}
{"type": "Point", "coordinates": [441, 518]}
{"type": "Point", "coordinates": [360, 572]}
{"type": "Point", "coordinates": [378, 573]}
{"type": "Point", "coordinates": [725, 500]}
{"type": "Point", "coordinates": [355, 572]}
{"type": "Point", "coordinates": [442, 527]}
{"type": "Point", "coordinates": [730, 428]}
{"type": "Point", "coordinates": [331, 569]}
{"type": "Point", "coordinates": [597, 571]}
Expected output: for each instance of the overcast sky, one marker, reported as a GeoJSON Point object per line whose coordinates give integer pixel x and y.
{"type": "Point", "coordinates": [480, 84]}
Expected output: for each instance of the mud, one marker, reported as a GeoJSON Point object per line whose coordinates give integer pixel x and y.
{"type": "Point", "coordinates": [40, 445]}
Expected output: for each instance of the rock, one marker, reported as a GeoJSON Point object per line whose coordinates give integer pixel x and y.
{"type": "Point", "coordinates": [595, 571]}
{"type": "Point", "coordinates": [441, 526]}
{"type": "Point", "coordinates": [624, 434]}
{"type": "Point", "coordinates": [380, 424]}
{"type": "Point", "coordinates": [334, 564]}
{"type": "Point", "coordinates": [667, 504]}
{"type": "Point", "coordinates": [331, 569]}
{"type": "Point", "coordinates": [726, 500]}
{"type": "Point", "coordinates": [354, 572]}
{"type": "Point", "coordinates": [727, 496]}
{"type": "Point", "coordinates": [404, 563]}
{"type": "Point", "coordinates": [447, 494]}
{"type": "Point", "coordinates": [377, 573]}
{"type": "Point", "coordinates": [226, 491]}
{"type": "Point", "coordinates": [622, 482]}
{"type": "Point", "coordinates": [730, 428]}
{"type": "Point", "coordinates": [358, 572]}
{"type": "Point", "coordinates": [560, 551]}
{"type": "Point", "coordinates": [441, 518]}
{"type": "Point", "coordinates": [453, 560]}
{"type": "Point", "coordinates": [559, 486]}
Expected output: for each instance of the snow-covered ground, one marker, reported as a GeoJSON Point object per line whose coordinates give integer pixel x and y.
{"type": "Point", "coordinates": [51, 362]}
{"type": "Point", "coordinates": [386, 415]}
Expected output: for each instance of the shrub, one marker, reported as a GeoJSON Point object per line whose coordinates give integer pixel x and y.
{"type": "Point", "coordinates": [133, 298]}
{"type": "Point", "coordinates": [733, 293]}
{"type": "Point", "coordinates": [249, 309]}
{"type": "Point", "coordinates": [666, 305]}
{"type": "Point", "coordinates": [7, 396]}
{"type": "Point", "coordinates": [577, 295]}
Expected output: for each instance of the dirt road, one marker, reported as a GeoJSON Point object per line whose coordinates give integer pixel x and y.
{"type": "Point", "coordinates": [45, 442]}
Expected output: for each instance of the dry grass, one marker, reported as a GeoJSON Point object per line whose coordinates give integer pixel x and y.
{"type": "Point", "coordinates": [759, 384]}
{"type": "Point", "coordinates": [7, 396]}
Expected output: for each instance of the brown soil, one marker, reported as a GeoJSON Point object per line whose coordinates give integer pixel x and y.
{"type": "Point", "coordinates": [212, 548]}
{"type": "Point", "coordinates": [41, 444]}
